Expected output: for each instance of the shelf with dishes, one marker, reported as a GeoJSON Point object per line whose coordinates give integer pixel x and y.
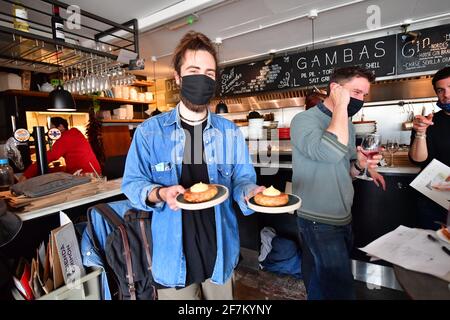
{"type": "Point", "coordinates": [363, 128]}
{"type": "Point", "coordinates": [29, 42]}
{"type": "Point", "coordinates": [143, 83]}
{"type": "Point", "coordinates": [39, 94]}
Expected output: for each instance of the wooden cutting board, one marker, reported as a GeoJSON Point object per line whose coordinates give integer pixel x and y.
{"type": "Point", "coordinates": [71, 194]}
{"type": "Point", "coordinates": [401, 159]}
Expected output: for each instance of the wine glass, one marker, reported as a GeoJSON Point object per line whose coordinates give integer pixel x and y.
{"type": "Point", "coordinates": [392, 147]}
{"type": "Point", "coordinates": [370, 147]}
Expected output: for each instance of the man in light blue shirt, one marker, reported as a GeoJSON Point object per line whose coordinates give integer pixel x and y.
{"type": "Point", "coordinates": [194, 253]}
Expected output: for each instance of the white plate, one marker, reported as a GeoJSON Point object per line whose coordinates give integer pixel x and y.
{"type": "Point", "coordinates": [441, 236]}
{"type": "Point", "coordinates": [220, 197]}
{"type": "Point", "coordinates": [293, 204]}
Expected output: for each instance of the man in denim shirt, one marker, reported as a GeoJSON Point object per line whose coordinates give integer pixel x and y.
{"type": "Point", "coordinates": [194, 252]}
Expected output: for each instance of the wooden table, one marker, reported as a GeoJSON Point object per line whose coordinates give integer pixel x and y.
{"type": "Point", "coordinates": [422, 286]}
{"type": "Point", "coordinates": [57, 203]}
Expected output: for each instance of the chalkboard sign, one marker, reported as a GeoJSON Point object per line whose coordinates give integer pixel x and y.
{"type": "Point", "coordinates": [430, 52]}
{"type": "Point", "coordinates": [256, 76]}
{"type": "Point", "coordinates": [308, 68]}
{"type": "Point", "coordinates": [316, 66]}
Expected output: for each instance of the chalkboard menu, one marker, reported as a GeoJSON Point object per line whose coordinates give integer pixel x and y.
{"type": "Point", "coordinates": [254, 77]}
{"type": "Point", "coordinates": [308, 68]}
{"type": "Point", "coordinates": [384, 56]}
{"type": "Point", "coordinates": [316, 66]}
{"type": "Point", "coordinates": [430, 52]}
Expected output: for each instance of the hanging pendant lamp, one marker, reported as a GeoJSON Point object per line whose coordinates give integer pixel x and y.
{"type": "Point", "coordinates": [221, 107]}
{"type": "Point", "coordinates": [61, 99]}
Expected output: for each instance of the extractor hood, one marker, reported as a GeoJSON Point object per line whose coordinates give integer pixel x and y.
{"type": "Point", "coordinates": [389, 90]}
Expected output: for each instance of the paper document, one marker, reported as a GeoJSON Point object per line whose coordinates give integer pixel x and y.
{"type": "Point", "coordinates": [67, 263]}
{"type": "Point", "coordinates": [412, 250]}
{"type": "Point", "coordinates": [434, 182]}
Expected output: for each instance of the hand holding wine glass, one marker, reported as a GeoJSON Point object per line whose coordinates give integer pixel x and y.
{"type": "Point", "coordinates": [370, 146]}
{"type": "Point", "coordinates": [392, 147]}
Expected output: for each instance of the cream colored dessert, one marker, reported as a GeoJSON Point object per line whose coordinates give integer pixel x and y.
{"type": "Point", "coordinates": [199, 187]}
{"type": "Point", "coordinates": [200, 192]}
{"type": "Point", "coordinates": [271, 197]}
{"type": "Point", "coordinates": [272, 192]}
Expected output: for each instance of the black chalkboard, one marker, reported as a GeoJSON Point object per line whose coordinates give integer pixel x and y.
{"type": "Point", "coordinates": [308, 68]}
{"type": "Point", "coordinates": [256, 76]}
{"type": "Point", "coordinates": [430, 52]}
{"type": "Point", "coordinates": [384, 56]}
{"type": "Point", "coordinates": [315, 67]}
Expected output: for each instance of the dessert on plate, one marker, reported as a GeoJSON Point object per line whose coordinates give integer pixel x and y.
{"type": "Point", "coordinates": [445, 233]}
{"type": "Point", "coordinates": [200, 192]}
{"type": "Point", "coordinates": [271, 197]}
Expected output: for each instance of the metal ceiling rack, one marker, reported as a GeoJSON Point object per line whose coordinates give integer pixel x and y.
{"type": "Point", "coordinates": [97, 41]}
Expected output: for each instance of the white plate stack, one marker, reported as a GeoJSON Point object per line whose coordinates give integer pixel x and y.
{"type": "Point", "coordinates": [255, 128]}
{"type": "Point", "coordinates": [363, 128]}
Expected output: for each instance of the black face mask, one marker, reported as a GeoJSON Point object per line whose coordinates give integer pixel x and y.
{"type": "Point", "coordinates": [197, 88]}
{"type": "Point", "coordinates": [354, 106]}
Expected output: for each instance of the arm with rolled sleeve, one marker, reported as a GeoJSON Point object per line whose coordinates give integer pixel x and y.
{"type": "Point", "coordinates": [315, 143]}
{"type": "Point", "coordinates": [137, 179]}
{"type": "Point", "coordinates": [244, 176]}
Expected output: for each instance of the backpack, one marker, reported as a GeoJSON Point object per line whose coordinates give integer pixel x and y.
{"type": "Point", "coordinates": [127, 253]}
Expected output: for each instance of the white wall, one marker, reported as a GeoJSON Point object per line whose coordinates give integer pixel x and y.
{"type": "Point", "coordinates": [390, 118]}
{"type": "Point", "coordinates": [282, 115]}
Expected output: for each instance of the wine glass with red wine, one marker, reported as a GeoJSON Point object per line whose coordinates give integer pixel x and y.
{"type": "Point", "coordinates": [370, 147]}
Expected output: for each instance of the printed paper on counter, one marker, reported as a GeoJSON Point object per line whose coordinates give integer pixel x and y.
{"type": "Point", "coordinates": [434, 182]}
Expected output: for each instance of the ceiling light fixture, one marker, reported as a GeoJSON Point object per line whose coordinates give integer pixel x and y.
{"type": "Point", "coordinates": [61, 99]}
{"type": "Point", "coordinates": [221, 107]}
{"type": "Point", "coordinates": [271, 57]}
{"type": "Point", "coordinates": [313, 14]}
{"type": "Point", "coordinates": [409, 36]}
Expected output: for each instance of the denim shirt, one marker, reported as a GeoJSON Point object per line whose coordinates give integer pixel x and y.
{"type": "Point", "coordinates": [155, 159]}
{"type": "Point", "coordinates": [93, 257]}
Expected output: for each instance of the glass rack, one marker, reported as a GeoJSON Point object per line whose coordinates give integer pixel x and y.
{"type": "Point", "coordinates": [95, 40]}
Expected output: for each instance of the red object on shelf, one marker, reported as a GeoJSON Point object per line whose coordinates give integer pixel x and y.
{"type": "Point", "coordinates": [22, 279]}
{"type": "Point", "coordinates": [284, 133]}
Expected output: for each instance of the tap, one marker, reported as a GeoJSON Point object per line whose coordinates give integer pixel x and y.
{"type": "Point", "coordinates": [13, 152]}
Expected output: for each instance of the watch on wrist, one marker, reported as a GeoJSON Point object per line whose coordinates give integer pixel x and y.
{"type": "Point", "coordinates": [158, 196]}
{"type": "Point", "coordinates": [357, 167]}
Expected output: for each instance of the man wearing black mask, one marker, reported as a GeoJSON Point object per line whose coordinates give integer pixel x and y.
{"type": "Point", "coordinates": [324, 161]}
{"type": "Point", "coordinates": [195, 251]}
{"type": "Point", "coordinates": [430, 140]}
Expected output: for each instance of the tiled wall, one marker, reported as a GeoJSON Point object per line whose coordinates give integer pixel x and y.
{"type": "Point", "coordinates": [282, 115]}
{"type": "Point", "coordinates": [389, 118]}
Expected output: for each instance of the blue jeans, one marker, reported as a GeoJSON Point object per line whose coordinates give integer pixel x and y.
{"type": "Point", "coordinates": [326, 264]}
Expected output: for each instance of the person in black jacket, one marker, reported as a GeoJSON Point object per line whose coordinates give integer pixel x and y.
{"type": "Point", "coordinates": [430, 140]}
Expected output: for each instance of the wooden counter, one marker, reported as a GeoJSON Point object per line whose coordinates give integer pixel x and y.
{"type": "Point", "coordinates": [68, 199]}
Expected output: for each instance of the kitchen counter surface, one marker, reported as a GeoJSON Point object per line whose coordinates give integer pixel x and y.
{"type": "Point", "coordinates": [394, 170]}
{"type": "Point", "coordinates": [110, 189]}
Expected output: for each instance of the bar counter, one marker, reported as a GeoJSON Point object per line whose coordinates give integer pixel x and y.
{"type": "Point", "coordinates": [109, 189]}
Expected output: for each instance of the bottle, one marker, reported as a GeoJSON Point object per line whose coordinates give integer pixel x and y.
{"type": "Point", "coordinates": [19, 13]}
{"type": "Point", "coordinates": [57, 25]}
{"type": "Point", "coordinates": [6, 175]}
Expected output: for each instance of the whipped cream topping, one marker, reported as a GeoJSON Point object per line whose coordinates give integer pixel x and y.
{"type": "Point", "coordinates": [199, 187]}
{"type": "Point", "coordinates": [271, 192]}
